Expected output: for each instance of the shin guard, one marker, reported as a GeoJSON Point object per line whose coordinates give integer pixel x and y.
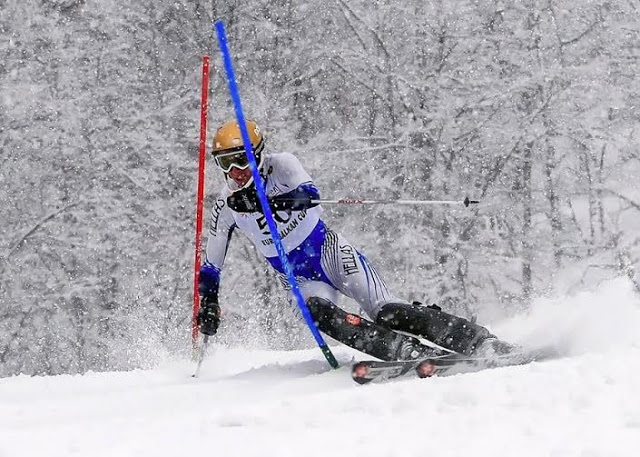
{"type": "Point", "coordinates": [446, 330]}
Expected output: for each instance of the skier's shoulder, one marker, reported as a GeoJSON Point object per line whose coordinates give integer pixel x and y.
{"type": "Point", "coordinates": [222, 193]}
{"type": "Point", "coordinates": [286, 169]}
{"type": "Point", "coordinates": [220, 203]}
{"type": "Point", "coordinates": [281, 160]}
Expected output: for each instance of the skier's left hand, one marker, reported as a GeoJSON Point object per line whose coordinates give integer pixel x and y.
{"type": "Point", "coordinates": [246, 200]}
{"type": "Point", "coordinates": [297, 203]}
{"type": "Point", "coordinates": [296, 200]}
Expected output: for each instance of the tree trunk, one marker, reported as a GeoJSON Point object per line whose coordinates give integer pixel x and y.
{"type": "Point", "coordinates": [527, 202]}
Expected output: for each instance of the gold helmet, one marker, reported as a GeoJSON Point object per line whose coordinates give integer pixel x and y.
{"type": "Point", "coordinates": [228, 148]}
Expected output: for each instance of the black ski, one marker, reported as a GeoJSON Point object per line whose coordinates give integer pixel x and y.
{"type": "Point", "coordinates": [377, 371]}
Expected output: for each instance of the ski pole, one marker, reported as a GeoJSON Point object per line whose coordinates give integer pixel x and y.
{"type": "Point", "coordinates": [355, 201]}
{"type": "Point", "coordinates": [262, 197]}
{"type": "Point", "coordinates": [201, 354]}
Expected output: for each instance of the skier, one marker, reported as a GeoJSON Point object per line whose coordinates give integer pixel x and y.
{"type": "Point", "coordinates": [325, 264]}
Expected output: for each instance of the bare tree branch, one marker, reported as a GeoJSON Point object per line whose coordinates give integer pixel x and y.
{"type": "Point", "coordinates": [37, 225]}
{"type": "Point", "coordinates": [627, 200]}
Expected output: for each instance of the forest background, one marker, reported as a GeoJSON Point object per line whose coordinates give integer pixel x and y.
{"type": "Point", "coordinates": [531, 106]}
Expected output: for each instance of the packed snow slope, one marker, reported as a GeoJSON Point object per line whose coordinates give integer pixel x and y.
{"type": "Point", "coordinates": [249, 403]}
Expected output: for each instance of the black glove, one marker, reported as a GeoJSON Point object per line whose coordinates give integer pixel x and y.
{"type": "Point", "coordinates": [245, 201]}
{"type": "Point", "coordinates": [209, 315]}
{"type": "Point", "coordinates": [296, 200]}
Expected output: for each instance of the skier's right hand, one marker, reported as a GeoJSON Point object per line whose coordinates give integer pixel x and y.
{"type": "Point", "coordinates": [244, 201]}
{"type": "Point", "coordinates": [209, 315]}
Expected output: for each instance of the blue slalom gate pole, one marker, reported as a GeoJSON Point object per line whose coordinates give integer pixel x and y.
{"type": "Point", "coordinates": [262, 196]}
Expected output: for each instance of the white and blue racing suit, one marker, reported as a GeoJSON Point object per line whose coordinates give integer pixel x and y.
{"type": "Point", "coordinates": [324, 262]}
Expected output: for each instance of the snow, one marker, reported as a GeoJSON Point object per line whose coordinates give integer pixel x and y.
{"type": "Point", "coordinates": [261, 403]}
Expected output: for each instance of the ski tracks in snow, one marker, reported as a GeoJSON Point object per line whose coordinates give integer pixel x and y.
{"type": "Point", "coordinates": [585, 405]}
{"type": "Point", "coordinates": [280, 404]}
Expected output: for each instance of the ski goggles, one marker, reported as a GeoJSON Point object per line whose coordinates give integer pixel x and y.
{"type": "Point", "coordinates": [236, 158]}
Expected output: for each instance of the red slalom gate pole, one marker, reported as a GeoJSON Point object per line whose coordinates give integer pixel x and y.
{"type": "Point", "coordinates": [199, 200]}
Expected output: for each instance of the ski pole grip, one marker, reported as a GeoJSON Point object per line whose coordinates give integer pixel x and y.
{"type": "Point", "coordinates": [468, 202]}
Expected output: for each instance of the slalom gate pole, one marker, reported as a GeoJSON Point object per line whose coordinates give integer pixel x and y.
{"type": "Point", "coordinates": [199, 200]}
{"type": "Point", "coordinates": [354, 201]}
{"type": "Point", "coordinates": [262, 197]}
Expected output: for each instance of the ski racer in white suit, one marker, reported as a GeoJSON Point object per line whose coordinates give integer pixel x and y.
{"type": "Point", "coordinates": [324, 263]}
